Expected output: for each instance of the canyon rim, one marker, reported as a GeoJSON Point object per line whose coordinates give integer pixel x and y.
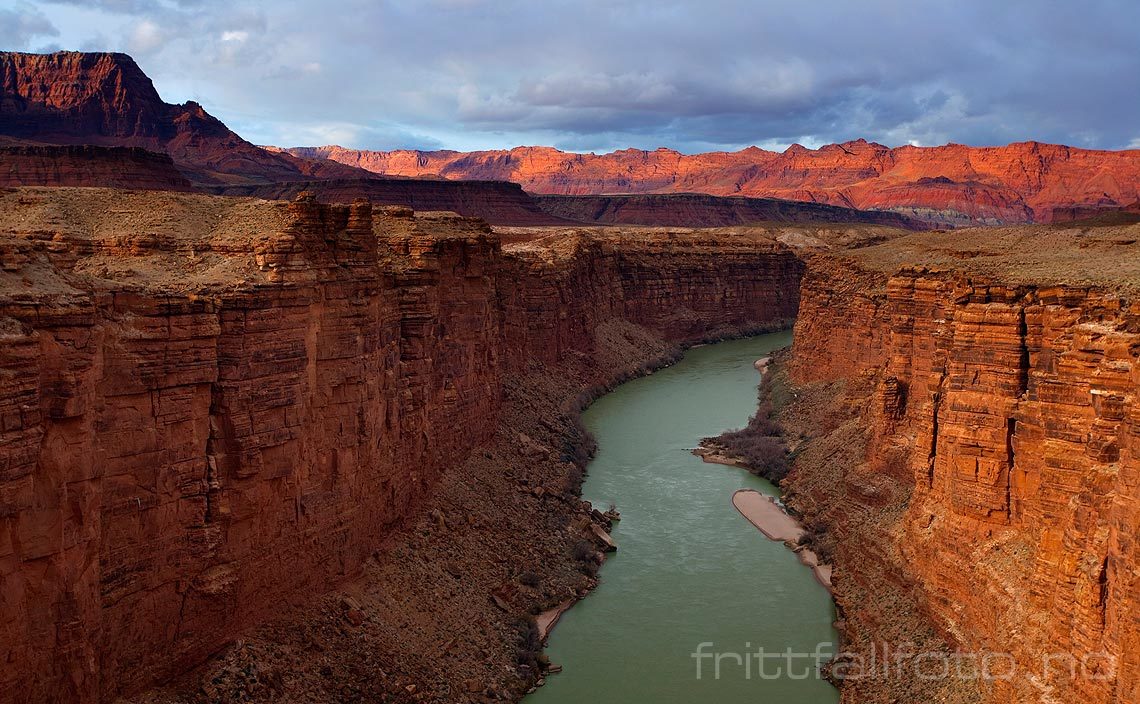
{"type": "Point", "coordinates": [297, 416]}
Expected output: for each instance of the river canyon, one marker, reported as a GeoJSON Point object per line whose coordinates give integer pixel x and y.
{"type": "Point", "coordinates": [326, 425]}
{"type": "Point", "coordinates": [689, 568]}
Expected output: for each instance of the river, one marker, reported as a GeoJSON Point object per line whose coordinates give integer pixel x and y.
{"type": "Point", "coordinates": [689, 570]}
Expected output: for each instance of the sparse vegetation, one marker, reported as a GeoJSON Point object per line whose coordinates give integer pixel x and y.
{"type": "Point", "coordinates": [530, 644]}
{"type": "Point", "coordinates": [817, 539]}
{"type": "Point", "coordinates": [586, 553]}
{"type": "Point", "coordinates": [760, 444]}
{"type": "Point", "coordinates": [766, 456]}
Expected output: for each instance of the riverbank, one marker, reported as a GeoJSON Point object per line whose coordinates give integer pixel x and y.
{"type": "Point", "coordinates": [774, 522]}
{"type": "Point", "coordinates": [445, 611]}
{"type": "Point", "coordinates": [689, 570]}
{"type": "Point", "coordinates": [849, 516]}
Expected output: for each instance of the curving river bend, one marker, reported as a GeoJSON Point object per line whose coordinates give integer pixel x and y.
{"type": "Point", "coordinates": [689, 568]}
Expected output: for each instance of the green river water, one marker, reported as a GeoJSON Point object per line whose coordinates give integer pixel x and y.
{"type": "Point", "coordinates": [689, 568]}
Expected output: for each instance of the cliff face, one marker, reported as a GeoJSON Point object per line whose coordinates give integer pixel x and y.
{"type": "Point", "coordinates": [497, 202]}
{"type": "Point", "coordinates": [1000, 421]}
{"type": "Point", "coordinates": [75, 98]}
{"type": "Point", "coordinates": [948, 185]}
{"type": "Point", "coordinates": [113, 167]}
{"type": "Point", "coordinates": [699, 210]}
{"type": "Point", "coordinates": [213, 408]}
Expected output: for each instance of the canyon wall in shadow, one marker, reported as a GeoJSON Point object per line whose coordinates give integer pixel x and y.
{"type": "Point", "coordinates": [214, 407]}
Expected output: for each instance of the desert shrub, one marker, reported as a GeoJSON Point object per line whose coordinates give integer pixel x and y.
{"type": "Point", "coordinates": [817, 539]}
{"type": "Point", "coordinates": [587, 556]}
{"type": "Point", "coordinates": [574, 480]}
{"type": "Point", "coordinates": [765, 455]}
{"type": "Point", "coordinates": [760, 444]}
{"type": "Point", "coordinates": [579, 445]}
{"type": "Point", "coordinates": [529, 642]}
{"type": "Point", "coordinates": [530, 579]}
{"type": "Point", "coordinates": [763, 424]}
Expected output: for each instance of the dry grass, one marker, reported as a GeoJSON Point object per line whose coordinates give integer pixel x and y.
{"type": "Point", "coordinates": [1103, 254]}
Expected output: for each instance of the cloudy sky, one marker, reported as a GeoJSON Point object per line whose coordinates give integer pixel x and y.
{"type": "Point", "coordinates": [596, 75]}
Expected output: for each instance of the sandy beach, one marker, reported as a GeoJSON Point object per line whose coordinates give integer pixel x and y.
{"type": "Point", "coordinates": [547, 620]}
{"type": "Point", "coordinates": [764, 513]}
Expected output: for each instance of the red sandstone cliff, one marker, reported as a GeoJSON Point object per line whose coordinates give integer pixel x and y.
{"type": "Point", "coordinates": [214, 407]}
{"type": "Point", "coordinates": [115, 167]}
{"type": "Point", "coordinates": [700, 210]}
{"type": "Point", "coordinates": [951, 184]}
{"type": "Point", "coordinates": [497, 202]}
{"type": "Point", "coordinates": [999, 484]}
{"type": "Point", "coordinates": [74, 98]}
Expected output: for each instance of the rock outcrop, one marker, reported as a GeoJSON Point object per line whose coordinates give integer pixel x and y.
{"type": "Point", "coordinates": [216, 407]}
{"type": "Point", "coordinates": [994, 389]}
{"type": "Point", "coordinates": [102, 99]}
{"type": "Point", "coordinates": [93, 119]}
{"type": "Point", "coordinates": [112, 167]}
{"type": "Point", "coordinates": [700, 210]}
{"type": "Point", "coordinates": [497, 202]}
{"type": "Point", "coordinates": [948, 185]}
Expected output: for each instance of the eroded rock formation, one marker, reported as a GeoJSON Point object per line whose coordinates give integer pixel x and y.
{"type": "Point", "coordinates": [989, 469]}
{"type": "Point", "coordinates": [103, 99]}
{"type": "Point", "coordinates": [213, 408]}
{"type": "Point", "coordinates": [113, 167]}
{"type": "Point", "coordinates": [947, 185]}
{"type": "Point", "coordinates": [700, 210]}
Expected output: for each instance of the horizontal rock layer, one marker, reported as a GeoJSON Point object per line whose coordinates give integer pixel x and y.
{"type": "Point", "coordinates": [105, 99]}
{"type": "Point", "coordinates": [111, 167]}
{"type": "Point", "coordinates": [215, 407]}
{"type": "Point", "coordinates": [1010, 413]}
{"type": "Point", "coordinates": [496, 202]}
{"type": "Point", "coordinates": [946, 185]}
{"type": "Point", "coordinates": [700, 210]}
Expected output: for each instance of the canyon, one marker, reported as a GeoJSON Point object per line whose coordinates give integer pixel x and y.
{"type": "Point", "coordinates": [967, 412]}
{"type": "Point", "coordinates": [218, 409]}
{"type": "Point", "coordinates": [214, 407]}
{"type": "Point", "coordinates": [273, 423]}
{"type": "Point", "coordinates": [96, 119]}
{"type": "Point", "coordinates": [951, 185]}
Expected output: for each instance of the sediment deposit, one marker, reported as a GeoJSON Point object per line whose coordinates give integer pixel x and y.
{"type": "Point", "coordinates": [969, 404]}
{"type": "Point", "coordinates": [217, 409]}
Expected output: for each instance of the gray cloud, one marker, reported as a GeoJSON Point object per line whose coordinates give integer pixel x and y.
{"type": "Point", "coordinates": [20, 24]}
{"type": "Point", "coordinates": [598, 75]}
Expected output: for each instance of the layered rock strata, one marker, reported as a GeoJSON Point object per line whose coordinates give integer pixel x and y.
{"type": "Point", "coordinates": [113, 167]}
{"type": "Point", "coordinates": [214, 408]}
{"type": "Point", "coordinates": [946, 185]}
{"type": "Point", "coordinates": [701, 210]}
{"type": "Point", "coordinates": [497, 202]}
{"type": "Point", "coordinates": [988, 474]}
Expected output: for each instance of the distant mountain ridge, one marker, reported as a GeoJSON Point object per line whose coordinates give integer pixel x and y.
{"type": "Point", "coordinates": [105, 100]}
{"type": "Point", "coordinates": [685, 209]}
{"type": "Point", "coordinates": [74, 118]}
{"type": "Point", "coordinates": [947, 185]}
